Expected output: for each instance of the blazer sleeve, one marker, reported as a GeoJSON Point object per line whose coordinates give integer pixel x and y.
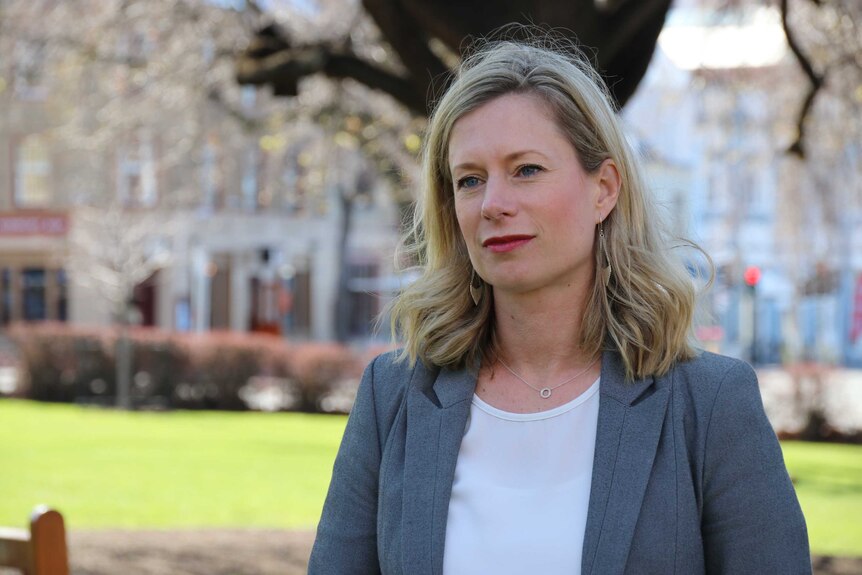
{"type": "Point", "coordinates": [346, 541]}
{"type": "Point", "coordinates": [751, 522]}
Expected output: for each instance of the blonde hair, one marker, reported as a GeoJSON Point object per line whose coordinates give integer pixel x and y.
{"type": "Point", "coordinates": [645, 311]}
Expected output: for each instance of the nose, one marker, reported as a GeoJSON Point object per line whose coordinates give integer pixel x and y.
{"type": "Point", "coordinates": [498, 200]}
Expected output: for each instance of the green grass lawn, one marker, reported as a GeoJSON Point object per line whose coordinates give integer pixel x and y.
{"type": "Point", "coordinates": [828, 480]}
{"type": "Point", "coordinates": [104, 468]}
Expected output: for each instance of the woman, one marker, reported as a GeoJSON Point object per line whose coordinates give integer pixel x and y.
{"type": "Point", "coordinates": [547, 413]}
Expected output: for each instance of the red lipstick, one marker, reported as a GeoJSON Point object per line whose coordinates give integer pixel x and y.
{"type": "Point", "coordinates": [502, 244]}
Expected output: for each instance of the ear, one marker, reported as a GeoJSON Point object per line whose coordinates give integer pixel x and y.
{"type": "Point", "coordinates": [608, 182]}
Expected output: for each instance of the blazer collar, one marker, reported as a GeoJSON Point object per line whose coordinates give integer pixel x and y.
{"type": "Point", "coordinates": [631, 417]}
{"type": "Point", "coordinates": [438, 405]}
{"type": "Point", "coordinates": [629, 427]}
{"type": "Point", "coordinates": [614, 384]}
{"type": "Point", "coordinates": [453, 386]}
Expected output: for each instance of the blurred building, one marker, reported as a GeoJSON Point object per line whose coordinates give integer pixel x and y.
{"type": "Point", "coordinates": [246, 243]}
{"type": "Point", "coordinates": [712, 118]}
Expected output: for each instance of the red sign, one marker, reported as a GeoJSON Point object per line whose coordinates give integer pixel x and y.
{"type": "Point", "coordinates": [18, 224]}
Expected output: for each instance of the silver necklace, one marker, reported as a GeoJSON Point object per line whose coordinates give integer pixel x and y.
{"type": "Point", "coordinates": [545, 392]}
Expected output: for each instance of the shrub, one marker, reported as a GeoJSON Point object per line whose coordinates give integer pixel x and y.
{"type": "Point", "coordinates": [211, 370]}
{"type": "Point", "coordinates": [56, 366]}
{"type": "Point", "coordinates": [319, 370]}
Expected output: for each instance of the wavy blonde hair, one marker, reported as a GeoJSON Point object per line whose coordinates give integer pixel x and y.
{"type": "Point", "coordinates": [645, 311]}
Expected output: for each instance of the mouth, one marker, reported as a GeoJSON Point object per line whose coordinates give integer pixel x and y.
{"type": "Point", "coordinates": [500, 244]}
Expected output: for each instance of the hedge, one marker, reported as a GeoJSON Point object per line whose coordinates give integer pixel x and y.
{"type": "Point", "coordinates": [212, 370]}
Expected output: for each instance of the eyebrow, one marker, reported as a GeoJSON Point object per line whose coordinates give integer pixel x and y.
{"type": "Point", "coordinates": [507, 158]}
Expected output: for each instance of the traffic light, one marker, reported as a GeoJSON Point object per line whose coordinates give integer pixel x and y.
{"type": "Point", "coordinates": [751, 276]}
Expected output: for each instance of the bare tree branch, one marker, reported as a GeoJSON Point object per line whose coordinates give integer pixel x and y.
{"type": "Point", "coordinates": [254, 7]}
{"type": "Point", "coordinates": [816, 80]}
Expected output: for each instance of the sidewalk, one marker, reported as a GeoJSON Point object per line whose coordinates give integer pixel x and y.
{"type": "Point", "coordinates": [239, 552]}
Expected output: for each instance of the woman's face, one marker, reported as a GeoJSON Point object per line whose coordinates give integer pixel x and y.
{"type": "Point", "coordinates": [526, 208]}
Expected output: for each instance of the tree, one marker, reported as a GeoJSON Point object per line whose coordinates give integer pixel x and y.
{"type": "Point", "coordinates": [119, 249]}
{"type": "Point", "coordinates": [140, 91]}
{"type": "Point", "coordinates": [134, 91]}
{"type": "Point", "coordinates": [826, 41]}
{"type": "Point", "coordinates": [429, 35]}
{"type": "Point", "coordinates": [351, 142]}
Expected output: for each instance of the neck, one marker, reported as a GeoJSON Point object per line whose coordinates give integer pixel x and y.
{"type": "Point", "coordinates": [539, 333]}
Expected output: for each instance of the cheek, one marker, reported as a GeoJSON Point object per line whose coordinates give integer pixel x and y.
{"type": "Point", "coordinates": [463, 218]}
{"type": "Point", "coordinates": [576, 225]}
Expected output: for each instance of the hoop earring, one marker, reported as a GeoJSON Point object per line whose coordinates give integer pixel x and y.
{"type": "Point", "coordinates": [606, 271]}
{"type": "Point", "coordinates": [475, 288]}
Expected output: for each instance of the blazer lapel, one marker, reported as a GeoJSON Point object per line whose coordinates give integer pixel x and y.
{"type": "Point", "coordinates": [436, 419]}
{"type": "Point", "coordinates": [627, 436]}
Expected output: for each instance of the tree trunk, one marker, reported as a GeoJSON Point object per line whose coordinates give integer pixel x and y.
{"type": "Point", "coordinates": [123, 353]}
{"type": "Point", "coordinates": [342, 304]}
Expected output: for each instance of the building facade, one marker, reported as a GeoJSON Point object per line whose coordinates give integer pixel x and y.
{"type": "Point", "coordinates": [205, 207]}
{"type": "Point", "coordinates": [714, 116]}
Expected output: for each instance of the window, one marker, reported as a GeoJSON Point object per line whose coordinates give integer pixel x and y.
{"type": "Point", "coordinates": [250, 184]}
{"type": "Point", "coordinates": [33, 294]}
{"type": "Point", "coordinates": [363, 299]}
{"type": "Point", "coordinates": [32, 187]}
{"type": "Point", "coordinates": [298, 303]}
{"type": "Point", "coordinates": [62, 296]}
{"type": "Point", "coordinates": [6, 301]}
{"type": "Point", "coordinates": [210, 176]}
{"type": "Point", "coordinates": [295, 175]}
{"type": "Point", "coordinates": [136, 172]}
{"type": "Point", "coordinates": [29, 70]}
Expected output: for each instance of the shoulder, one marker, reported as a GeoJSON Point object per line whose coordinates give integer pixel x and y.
{"type": "Point", "coordinates": [706, 366]}
{"type": "Point", "coordinates": [389, 374]}
{"type": "Point", "coordinates": [712, 391]}
{"type": "Point", "coordinates": [387, 369]}
{"type": "Point", "coordinates": [719, 401]}
{"type": "Point", "coordinates": [708, 374]}
{"type": "Point", "coordinates": [386, 381]}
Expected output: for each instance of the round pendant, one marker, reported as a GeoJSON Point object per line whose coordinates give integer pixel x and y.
{"type": "Point", "coordinates": [545, 393]}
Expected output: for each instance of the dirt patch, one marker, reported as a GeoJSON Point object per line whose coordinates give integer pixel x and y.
{"type": "Point", "coordinates": [237, 552]}
{"type": "Point", "coordinates": [193, 552]}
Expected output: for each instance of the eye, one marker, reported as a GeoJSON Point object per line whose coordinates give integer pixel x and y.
{"type": "Point", "coordinates": [528, 170]}
{"type": "Point", "coordinates": [467, 182]}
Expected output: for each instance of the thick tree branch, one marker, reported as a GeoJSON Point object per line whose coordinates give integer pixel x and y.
{"type": "Point", "coordinates": [632, 24]}
{"type": "Point", "coordinates": [622, 33]}
{"type": "Point", "coordinates": [608, 6]}
{"type": "Point", "coordinates": [628, 20]}
{"type": "Point", "coordinates": [283, 69]}
{"type": "Point", "coordinates": [410, 41]}
{"type": "Point", "coordinates": [349, 66]}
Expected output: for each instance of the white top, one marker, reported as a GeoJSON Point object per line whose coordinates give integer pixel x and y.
{"type": "Point", "coordinates": [521, 490]}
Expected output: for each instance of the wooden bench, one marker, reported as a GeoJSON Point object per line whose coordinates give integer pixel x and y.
{"type": "Point", "coordinates": [39, 551]}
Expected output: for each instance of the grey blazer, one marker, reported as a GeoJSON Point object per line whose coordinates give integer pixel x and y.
{"type": "Point", "coordinates": [688, 475]}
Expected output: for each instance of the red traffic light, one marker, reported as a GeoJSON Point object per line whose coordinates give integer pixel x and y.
{"type": "Point", "coordinates": [751, 275]}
